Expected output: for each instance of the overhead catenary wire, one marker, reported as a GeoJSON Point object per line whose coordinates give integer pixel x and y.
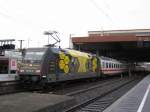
{"type": "Point", "coordinates": [108, 6]}
{"type": "Point", "coordinates": [102, 11]}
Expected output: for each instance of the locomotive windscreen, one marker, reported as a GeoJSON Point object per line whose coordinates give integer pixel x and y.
{"type": "Point", "coordinates": [33, 57]}
{"type": "Point", "coordinates": [31, 61]}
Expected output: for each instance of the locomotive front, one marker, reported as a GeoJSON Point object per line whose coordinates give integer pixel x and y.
{"type": "Point", "coordinates": [30, 68]}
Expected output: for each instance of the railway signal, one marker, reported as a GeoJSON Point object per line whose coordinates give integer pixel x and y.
{"type": "Point", "coordinates": [6, 44]}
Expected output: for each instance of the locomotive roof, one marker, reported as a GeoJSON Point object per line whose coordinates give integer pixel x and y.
{"type": "Point", "coordinates": [76, 53]}
{"type": "Point", "coordinates": [72, 52]}
{"type": "Point", "coordinates": [36, 49]}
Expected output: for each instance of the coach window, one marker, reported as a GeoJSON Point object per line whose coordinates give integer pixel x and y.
{"type": "Point", "coordinates": [13, 71]}
{"type": "Point", "coordinates": [103, 65]}
{"type": "Point", "coordinates": [106, 65]}
{"type": "Point", "coordinates": [109, 65]}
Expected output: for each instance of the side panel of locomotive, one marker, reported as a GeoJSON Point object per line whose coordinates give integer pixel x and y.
{"type": "Point", "coordinates": [66, 64]}
{"type": "Point", "coordinates": [75, 65]}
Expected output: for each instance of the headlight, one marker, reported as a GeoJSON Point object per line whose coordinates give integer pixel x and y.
{"type": "Point", "coordinates": [43, 76]}
{"type": "Point", "coordinates": [37, 71]}
{"type": "Point", "coordinates": [21, 70]}
{"type": "Point", "coordinates": [30, 65]}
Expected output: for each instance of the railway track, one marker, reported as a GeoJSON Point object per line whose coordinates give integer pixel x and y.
{"type": "Point", "coordinates": [97, 86]}
{"type": "Point", "coordinates": [76, 87]}
{"type": "Point", "coordinates": [96, 99]}
{"type": "Point", "coordinates": [14, 87]}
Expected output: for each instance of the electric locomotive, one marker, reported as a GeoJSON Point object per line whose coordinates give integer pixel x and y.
{"type": "Point", "coordinates": [51, 64]}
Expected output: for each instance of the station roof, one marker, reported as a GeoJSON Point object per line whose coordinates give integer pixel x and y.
{"type": "Point", "coordinates": [131, 45]}
{"type": "Point", "coordinates": [137, 32]}
{"type": "Point", "coordinates": [93, 39]}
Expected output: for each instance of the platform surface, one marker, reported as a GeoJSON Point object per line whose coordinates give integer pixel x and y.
{"type": "Point", "coordinates": [34, 102]}
{"type": "Point", "coordinates": [136, 100]}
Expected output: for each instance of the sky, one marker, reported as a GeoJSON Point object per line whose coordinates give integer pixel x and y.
{"type": "Point", "coordinates": [28, 19]}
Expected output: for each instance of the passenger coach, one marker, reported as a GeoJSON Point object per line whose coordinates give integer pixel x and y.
{"type": "Point", "coordinates": [9, 65]}
{"type": "Point", "coordinates": [8, 69]}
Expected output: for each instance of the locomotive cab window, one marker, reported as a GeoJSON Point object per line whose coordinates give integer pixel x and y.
{"type": "Point", "coordinates": [33, 56]}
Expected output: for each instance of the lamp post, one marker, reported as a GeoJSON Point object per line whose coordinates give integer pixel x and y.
{"type": "Point", "coordinates": [21, 44]}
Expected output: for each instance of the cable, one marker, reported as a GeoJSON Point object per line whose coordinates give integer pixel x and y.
{"type": "Point", "coordinates": [102, 11]}
{"type": "Point", "coordinates": [107, 5]}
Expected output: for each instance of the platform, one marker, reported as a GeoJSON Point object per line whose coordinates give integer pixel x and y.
{"type": "Point", "coordinates": [34, 102]}
{"type": "Point", "coordinates": [136, 100]}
